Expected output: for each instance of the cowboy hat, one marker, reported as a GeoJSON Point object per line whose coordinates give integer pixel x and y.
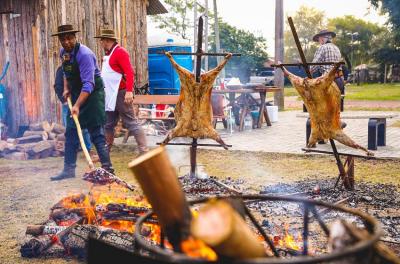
{"type": "Point", "coordinates": [323, 33]}
{"type": "Point", "coordinates": [65, 29]}
{"type": "Point", "coordinates": [107, 33]}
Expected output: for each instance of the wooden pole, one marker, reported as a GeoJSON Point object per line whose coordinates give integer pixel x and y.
{"type": "Point", "coordinates": [217, 40]}
{"type": "Point", "coordinates": [206, 35]}
{"type": "Point", "coordinates": [160, 184]}
{"type": "Point", "coordinates": [194, 28]}
{"type": "Point", "coordinates": [279, 53]}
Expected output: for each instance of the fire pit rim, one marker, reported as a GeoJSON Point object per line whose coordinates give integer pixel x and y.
{"type": "Point", "coordinates": [362, 246]}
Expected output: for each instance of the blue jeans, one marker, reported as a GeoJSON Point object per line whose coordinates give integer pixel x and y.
{"type": "Point", "coordinates": [86, 135]}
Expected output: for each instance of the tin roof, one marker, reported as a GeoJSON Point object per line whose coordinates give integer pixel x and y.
{"type": "Point", "coordinates": [155, 7]}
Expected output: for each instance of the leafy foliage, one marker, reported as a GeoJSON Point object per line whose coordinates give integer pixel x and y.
{"type": "Point", "coordinates": [362, 45]}
{"type": "Point", "coordinates": [308, 21]}
{"type": "Point", "coordinates": [177, 20]}
{"type": "Point", "coordinates": [252, 48]}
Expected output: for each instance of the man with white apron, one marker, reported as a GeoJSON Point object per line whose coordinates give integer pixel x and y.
{"type": "Point", "coordinates": [118, 77]}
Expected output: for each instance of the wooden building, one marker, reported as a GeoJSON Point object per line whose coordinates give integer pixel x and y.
{"type": "Point", "coordinates": [26, 41]}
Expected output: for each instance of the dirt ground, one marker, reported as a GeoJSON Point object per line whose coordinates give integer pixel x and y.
{"type": "Point", "coordinates": [26, 192]}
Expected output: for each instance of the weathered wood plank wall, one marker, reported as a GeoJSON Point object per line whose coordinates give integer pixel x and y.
{"type": "Point", "coordinates": [26, 42]}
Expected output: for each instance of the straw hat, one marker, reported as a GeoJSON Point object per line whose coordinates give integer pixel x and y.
{"type": "Point", "coordinates": [323, 33]}
{"type": "Point", "coordinates": [107, 33]}
{"type": "Point", "coordinates": [65, 29]}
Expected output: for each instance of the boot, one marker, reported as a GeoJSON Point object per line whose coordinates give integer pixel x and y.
{"type": "Point", "coordinates": [141, 141]}
{"type": "Point", "coordinates": [109, 169]}
{"type": "Point", "coordinates": [68, 172]}
{"type": "Point", "coordinates": [109, 140]}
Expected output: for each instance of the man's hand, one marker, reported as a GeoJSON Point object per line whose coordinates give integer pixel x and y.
{"type": "Point", "coordinates": [128, 97]}
{"type": "Point", "coordinates": [75, 110]}
{"type": "Point", "coordinates": [66, 94]}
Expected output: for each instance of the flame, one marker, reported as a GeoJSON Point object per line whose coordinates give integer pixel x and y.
{"type": "Point", "coordinates": [197, 248]}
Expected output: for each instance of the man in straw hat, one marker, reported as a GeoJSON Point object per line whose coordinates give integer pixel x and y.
{"type": "Point", "coordinates": [86, 89]}
{"type": "Point", "coordinates": [327, 52]}
{"type": "Point", "coordinates": [118, 75]}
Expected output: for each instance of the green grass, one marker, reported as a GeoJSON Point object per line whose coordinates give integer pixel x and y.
{"type": "Point", "coordinates": [370, 92]}
{"type": "Point", "coordinates": [373, 92]}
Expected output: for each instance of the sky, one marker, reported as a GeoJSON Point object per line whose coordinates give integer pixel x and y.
{"type": "Point", "coordinates": [258, 16]}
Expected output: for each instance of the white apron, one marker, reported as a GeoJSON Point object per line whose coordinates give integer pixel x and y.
{"type": "Point", "coordinates": [111, 79]}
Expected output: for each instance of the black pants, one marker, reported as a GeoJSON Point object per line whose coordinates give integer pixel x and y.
{"type": "Point", "coordinates": [98, 140]}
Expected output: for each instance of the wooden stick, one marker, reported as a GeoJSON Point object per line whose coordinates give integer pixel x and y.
{"type": "Point", "coordinates": [160, 184]}
{"type": "Point", "coordinates": [79, 130]}
{"type": "Point", "coordinates": [223, 229]}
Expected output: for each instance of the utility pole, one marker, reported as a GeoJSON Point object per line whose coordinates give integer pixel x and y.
{"type": "Point", "coordinates": [217, 41]}
{"type": "Point", "coordinates": [206, 35]}
{"type": "Point", "coordinates": [279, 50]}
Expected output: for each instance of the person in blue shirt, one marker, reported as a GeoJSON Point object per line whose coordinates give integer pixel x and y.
{"type": "Point", "coordinates": [86, 90]}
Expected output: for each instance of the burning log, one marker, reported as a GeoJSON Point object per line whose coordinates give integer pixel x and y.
{"type": "Point", "coordinates": [223, 229]}
{"type": "Point", "coordinates": [36, 230]}
{"type": "Point", "coordinates": [37, 246]}
{"type": "Point", "coordinates": [160, 184]}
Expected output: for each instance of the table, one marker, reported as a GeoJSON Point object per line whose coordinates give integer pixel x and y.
{"type": "Point", "coordinates": [246, 90]}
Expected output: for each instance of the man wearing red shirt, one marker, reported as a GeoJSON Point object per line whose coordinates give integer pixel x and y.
{"type": "Point", "coordinates": [118, 77]}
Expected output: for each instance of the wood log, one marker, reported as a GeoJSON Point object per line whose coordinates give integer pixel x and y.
{"type": "Point", "coordinates": [43, 134]}
{"type": "Point", "coordinates": [52, 136]}
{"type": "Point", "coordinates": [3, 145]}
{"type": "Point", "coordinates": [29, 139]}
{"type": "Point", "coordinates": [42, 146]}
{"type": "Point", "coordinates": [58, 129]}
{"type": "Point", "coordinates": [25, 147]}
{"type": "Point", "coordinates": [223, 229]}
{"type": "Point", "coordinates": [60, 146]}
{"type": "Point", "coordinates": [36, 127]}
{"type": "Point", "coordinates": [160, 185]}
{"type": "Point", "coordinates": [16, 156]}
{"type": "Point", "coordinates": [36, 230]}
{"type": "Point", "coordinates": [60, 137]}
{"type": "Point", "coordinates": [43, 126]}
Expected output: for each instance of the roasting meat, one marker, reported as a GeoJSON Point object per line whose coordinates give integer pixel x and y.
{"type": "Point", "coordinates": [193, 112]}
{"type": "Point", "coordinates": [322, 99]}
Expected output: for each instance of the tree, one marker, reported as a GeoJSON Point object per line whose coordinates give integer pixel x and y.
{"type": "Point", "coordinates": [308, 21]}
{"type": "Point", "coordinates": [252, 48]}
{"type": "Point", "coordinates": [361, 46]}
{"type": "Point", "coordinates": [178, 19]}
{"type": "Point", "coordinates": [389, 53]}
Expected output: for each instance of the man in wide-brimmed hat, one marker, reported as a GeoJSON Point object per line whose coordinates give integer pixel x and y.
{"type": "Point", "coordinates": [328, 52]}
{"type": "Point", "coordinates": [86, 90]}
{"type": "Point", "coordinates": [118, 75]}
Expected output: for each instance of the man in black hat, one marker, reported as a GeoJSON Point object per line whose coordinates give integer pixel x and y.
{"type": "Point", "coordinates": [327, 52]}
{"type": "Point", "coordinates": [86, 89]}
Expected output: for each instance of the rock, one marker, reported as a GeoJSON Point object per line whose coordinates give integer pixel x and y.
{"type": "Point", "coordinates": [3, 145]}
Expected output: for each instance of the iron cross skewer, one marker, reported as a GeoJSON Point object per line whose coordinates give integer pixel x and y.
{"type": "Point", "coordinates": [199, 54]}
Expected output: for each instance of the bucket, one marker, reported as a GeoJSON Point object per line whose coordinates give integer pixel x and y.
{"type": "Point", "coordinates": [272, 113]}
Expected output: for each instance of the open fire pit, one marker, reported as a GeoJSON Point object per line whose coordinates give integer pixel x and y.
{"type": "Point", "coordinates": [361, 250]}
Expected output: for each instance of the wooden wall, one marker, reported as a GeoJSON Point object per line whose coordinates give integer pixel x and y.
{"type": "Point", "coordinates": [26, 42]}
